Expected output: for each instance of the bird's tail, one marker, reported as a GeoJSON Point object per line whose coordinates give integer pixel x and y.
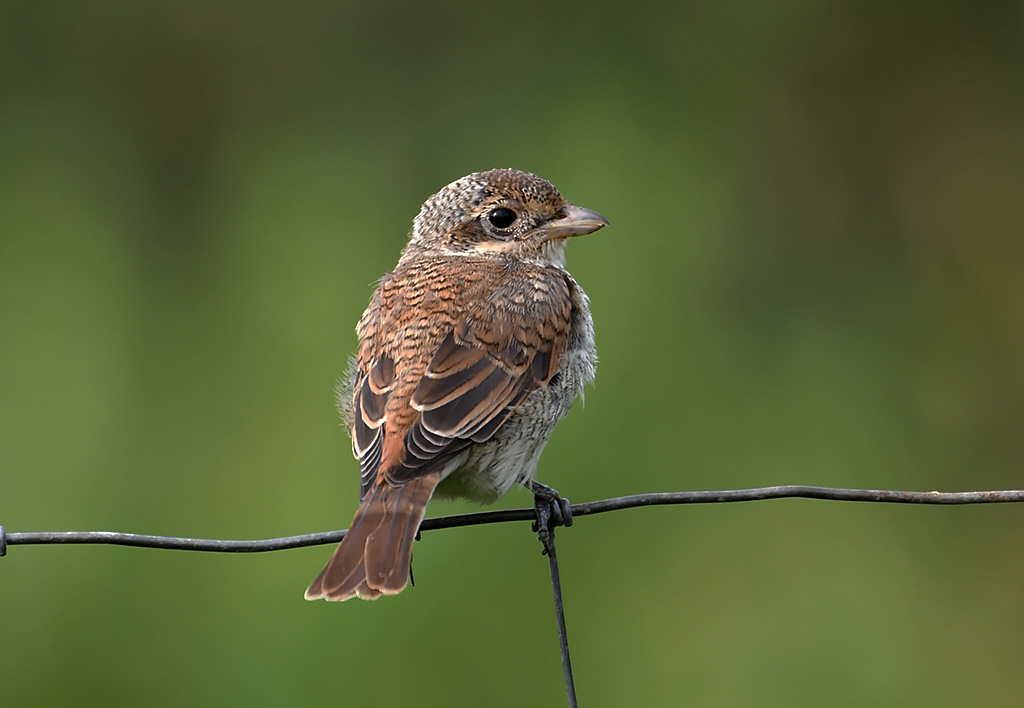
{"type": "Point", "coordinates": [375, 556]}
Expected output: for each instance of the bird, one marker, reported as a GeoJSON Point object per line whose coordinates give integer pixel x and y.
{"type": "Point", "coordinates": [470, 352]}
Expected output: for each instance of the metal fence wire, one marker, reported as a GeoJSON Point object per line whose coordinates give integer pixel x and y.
{"type": "Point", "coordinates": [550, 511]}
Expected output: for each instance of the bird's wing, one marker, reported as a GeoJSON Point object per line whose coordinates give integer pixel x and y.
{"type": "Point", "coordinates": [373, 387]}
{"type": "Point", "coordinates": [483, 365]}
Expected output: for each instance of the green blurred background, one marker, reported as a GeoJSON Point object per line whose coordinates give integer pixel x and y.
{"type": "Point", "coordinates": [814, 274]}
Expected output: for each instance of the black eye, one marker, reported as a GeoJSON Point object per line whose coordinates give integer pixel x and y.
{"type": "Point", "coordinates": [502, 218]}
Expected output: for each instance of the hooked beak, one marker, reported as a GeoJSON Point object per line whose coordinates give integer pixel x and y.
{"type": "Point", "coordinates": [575, 221]}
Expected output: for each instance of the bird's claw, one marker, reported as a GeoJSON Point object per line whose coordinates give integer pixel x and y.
{"type": "Point", "coordinates": [552, 510]}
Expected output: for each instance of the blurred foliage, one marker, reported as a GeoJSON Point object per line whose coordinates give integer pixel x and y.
{"type": "Point", "coordinates": [815, 274]}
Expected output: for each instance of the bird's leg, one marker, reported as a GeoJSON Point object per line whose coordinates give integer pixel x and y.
{"type": "Point", "coordinates": [559, 508]}
{"type": "Point", "coordinates": [552, 510]}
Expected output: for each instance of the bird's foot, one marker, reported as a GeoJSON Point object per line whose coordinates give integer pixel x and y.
{"type": "Point", "coordinates": [557, 508]}
{"type": "Point", "coordinates": [552, 510]}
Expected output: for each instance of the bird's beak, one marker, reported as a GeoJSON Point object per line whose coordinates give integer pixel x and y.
{"type": "Point", "coordinates": [575, 221]}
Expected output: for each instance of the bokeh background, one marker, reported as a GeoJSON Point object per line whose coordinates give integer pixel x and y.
{"type": "Point", "coordinates": [814, 274]}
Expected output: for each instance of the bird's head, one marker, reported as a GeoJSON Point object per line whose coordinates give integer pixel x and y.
{"type": "Point", "coordinates": [501, 213]}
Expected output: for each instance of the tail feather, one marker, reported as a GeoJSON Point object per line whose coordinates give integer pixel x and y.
{"type": "Point", "coordinates": [375, 556]}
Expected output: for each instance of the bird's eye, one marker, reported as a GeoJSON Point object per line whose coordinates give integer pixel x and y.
{"type": "Point", "coordinates": [502, 218]}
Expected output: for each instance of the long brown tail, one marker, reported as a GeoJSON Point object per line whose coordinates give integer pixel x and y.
{"type": "Point", "coordinates": [375, 556]}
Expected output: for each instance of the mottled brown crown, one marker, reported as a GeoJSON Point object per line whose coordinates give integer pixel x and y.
{"type": "Point", "coordinates": [464, 201]}
{"type": "Point", "coordinates": [500, 212]}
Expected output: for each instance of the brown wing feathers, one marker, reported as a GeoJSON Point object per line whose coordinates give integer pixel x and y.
{"type": "Point", "coordinates": [372, 391]}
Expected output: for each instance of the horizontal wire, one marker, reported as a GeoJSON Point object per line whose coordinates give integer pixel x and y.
{"type": "Point", "coordinates": [24, 538]}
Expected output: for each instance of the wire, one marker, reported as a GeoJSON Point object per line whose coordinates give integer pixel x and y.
{"type": "Point", "coordinates": [24, 538]}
